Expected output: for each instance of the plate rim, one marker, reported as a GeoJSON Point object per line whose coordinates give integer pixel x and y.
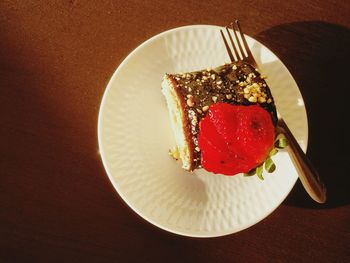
{"type": "Point", "coordinates": [109, 173]}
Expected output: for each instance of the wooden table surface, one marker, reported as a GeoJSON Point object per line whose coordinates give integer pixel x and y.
{"type": "Point", "coordinates": [56, 202]}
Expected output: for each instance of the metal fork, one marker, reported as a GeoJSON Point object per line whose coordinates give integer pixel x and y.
{"type": "Point", "coordinates": [308, 176]}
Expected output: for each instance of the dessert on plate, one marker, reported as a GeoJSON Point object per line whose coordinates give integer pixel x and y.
{"type": "Point", "coordinates": [223, 119]}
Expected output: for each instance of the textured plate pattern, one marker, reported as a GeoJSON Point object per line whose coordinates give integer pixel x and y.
{"type": "Point", "coordinates": [135, 136]}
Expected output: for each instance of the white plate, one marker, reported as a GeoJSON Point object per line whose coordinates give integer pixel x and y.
{"type": "Point", "coordinates": [134, 138]}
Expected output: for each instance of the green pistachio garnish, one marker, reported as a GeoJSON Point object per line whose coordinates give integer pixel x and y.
{"type": "Point", "coordinates": [273, 152]}
{"type": "Point", "coordinates": [270, 166]}
{"type": "Point", "coordinates": [251, 172]}
{"type": "Point", "coordinates": [281, 143]}
{"type": "Point", "coordinates": [259, 171]}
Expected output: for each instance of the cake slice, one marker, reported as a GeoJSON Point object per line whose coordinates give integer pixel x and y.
{"type": "Point", "coordinates": [189, 96]}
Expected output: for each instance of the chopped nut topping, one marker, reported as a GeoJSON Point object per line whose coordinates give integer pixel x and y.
{"type": "Point", "coordinates": [256, 85]}
{"type": "Point", "coordinates": [234, 67]}
{"type": "Point", "coordinates": [269, 101]}
{"type": "Point", "coordinates": [197, 149]}
{"type": "Point", "coordinates": [205, 108]}
{"type": "Point", "coordinates": [212, 76]}
{"type": "Point", "coordinates": [252, 99]}
{"type": "Point", "coordinates": [253, 91]}
{"type": "Point", "coordinates": [195, 140]}
{"type": "Point", "coordinates": [246, 90]}
{"type": "Point", "coordinates": [190, 102]}
{"type": "Point", "coordinates": [194, 121]}
{"type": "Point", "coordinates": [261, 100]}
{"type": "Point", "coordinates": [214, 98]}
{"type": "Point", "coordinates": [250, 77]}
{"type": "Point", "coordinates": [199, 111]}
{"type": "Point", "coordinates": [189, 96]}
{"type": "Point", "coordinates": [219, 82]}
{"type": "Point", "coordinates": [228, 96]}
{"type": "Point", "coordinates": [174, 152]}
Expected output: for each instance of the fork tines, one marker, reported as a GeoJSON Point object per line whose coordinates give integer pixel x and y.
{"type": "Point", "coordinates": [240, 50]}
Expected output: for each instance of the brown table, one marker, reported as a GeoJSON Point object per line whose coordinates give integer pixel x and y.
{"type": "Point", "coordinates": [56, 202]}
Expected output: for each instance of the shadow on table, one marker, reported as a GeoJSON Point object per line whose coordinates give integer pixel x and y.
{"type": "Point", "coordinates": [318, 56]}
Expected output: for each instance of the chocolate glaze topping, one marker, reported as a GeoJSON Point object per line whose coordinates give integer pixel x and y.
{"type": "Point", "coordinates": [239, 84]}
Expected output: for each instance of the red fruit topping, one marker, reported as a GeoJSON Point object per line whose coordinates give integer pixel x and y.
{"type": "Point", "coordinates": [235, 139]}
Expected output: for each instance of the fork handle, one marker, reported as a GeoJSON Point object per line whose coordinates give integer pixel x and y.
{"type": "Point", "coordinates": [307, 173]}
